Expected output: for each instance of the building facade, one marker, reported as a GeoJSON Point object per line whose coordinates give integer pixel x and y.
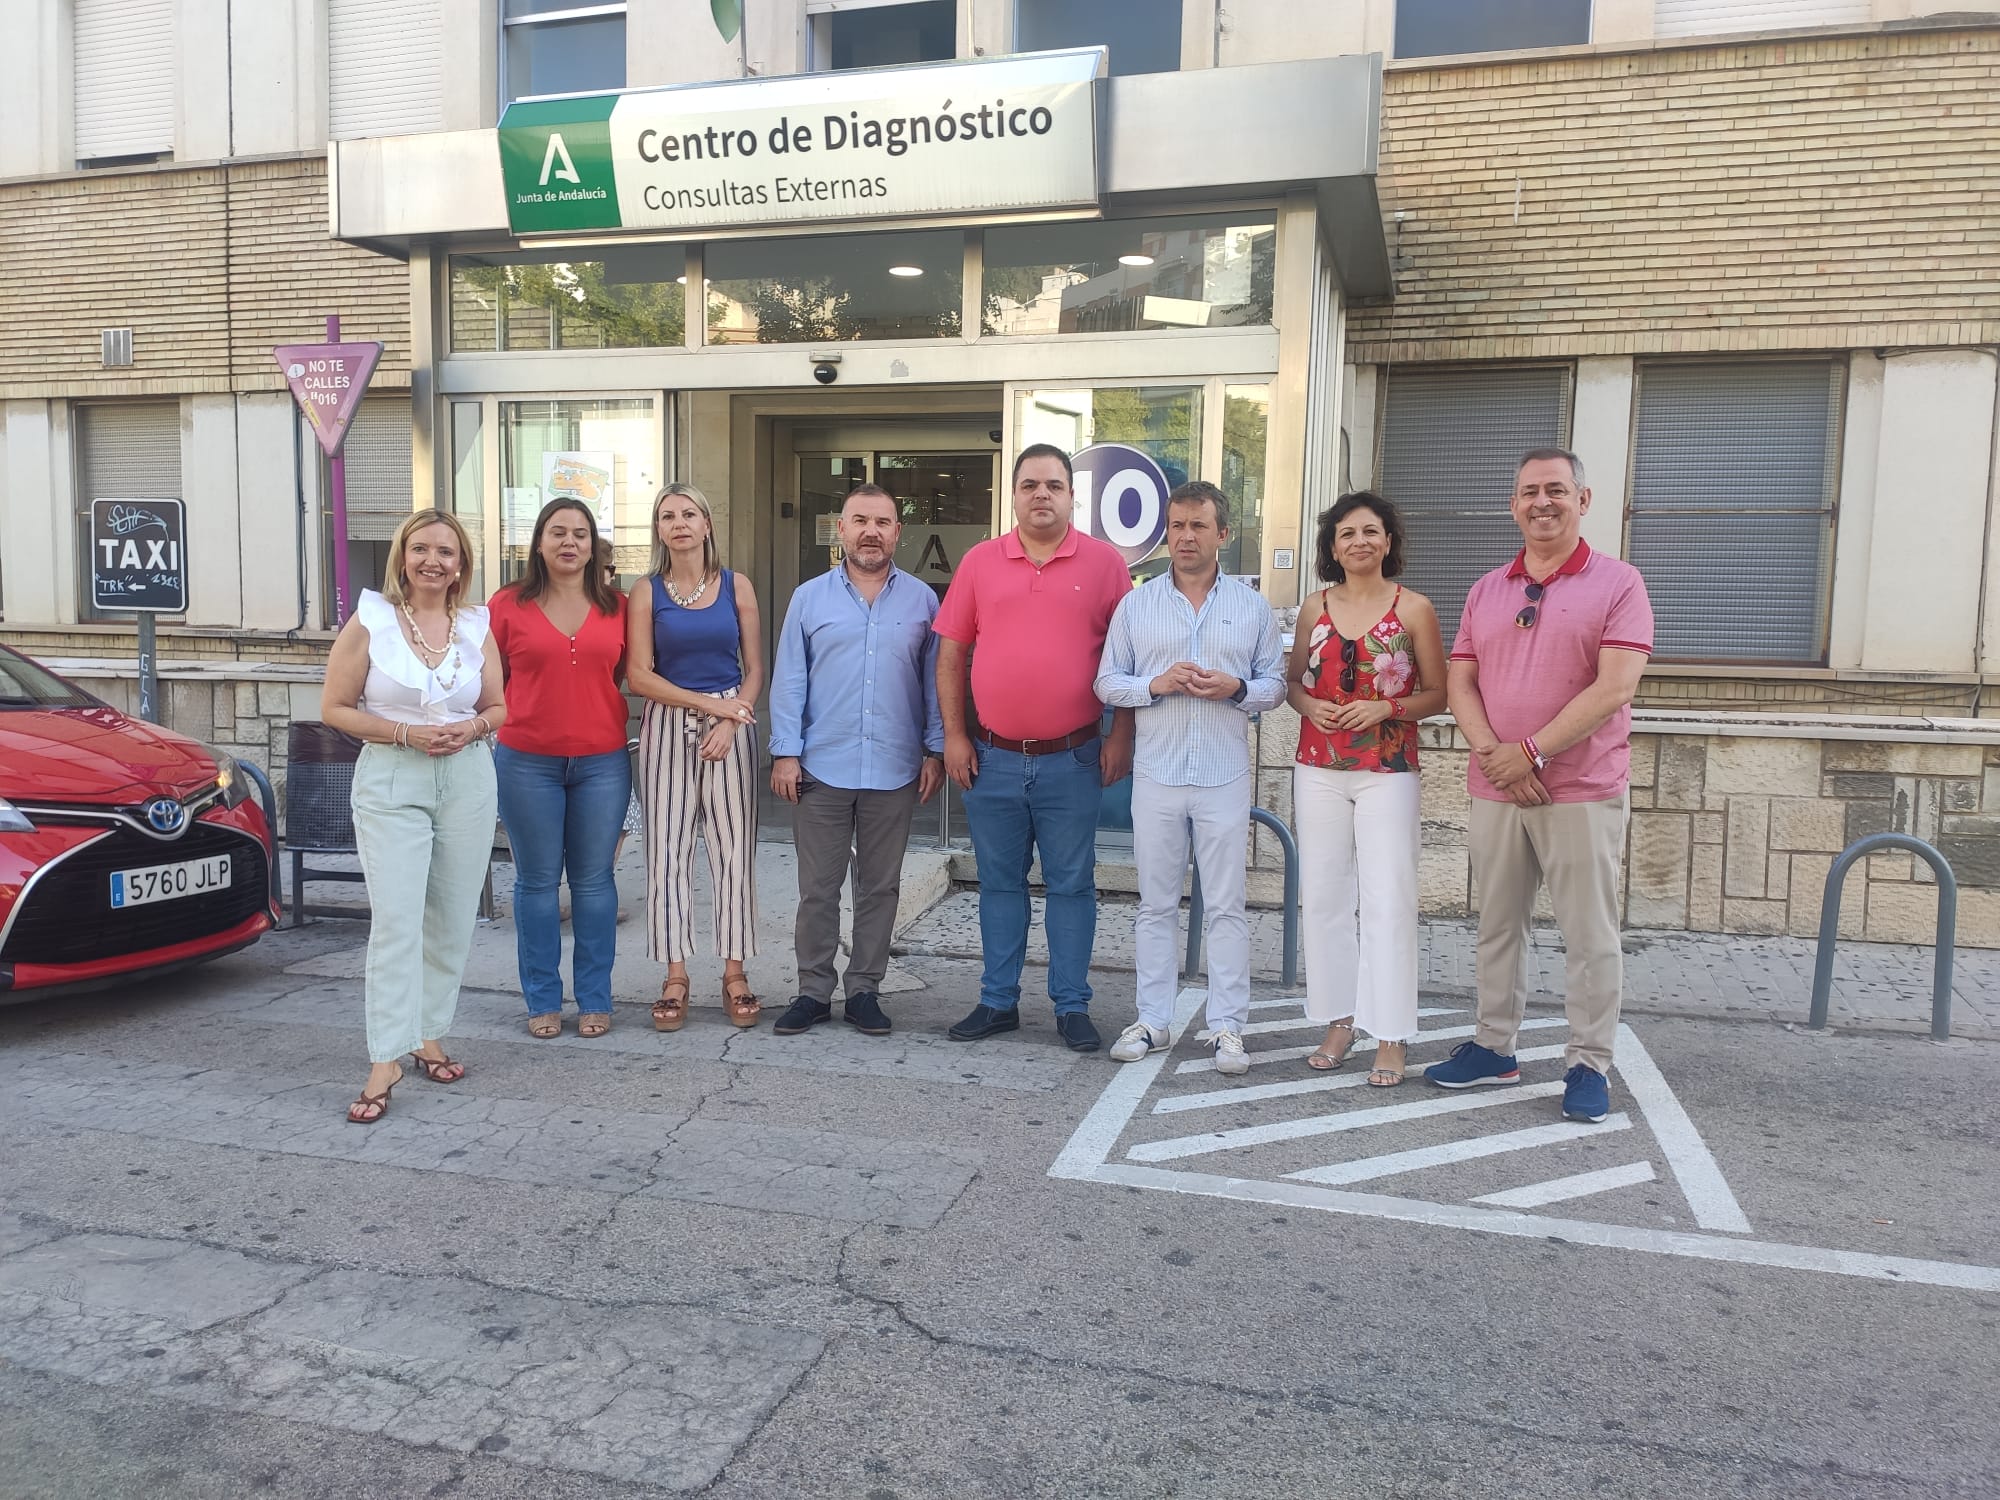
{"type": "Point", "coordinates": [1742, 255]}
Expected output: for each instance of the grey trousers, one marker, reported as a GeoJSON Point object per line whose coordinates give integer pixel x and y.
{"type": "Point", "coordinates": [834, 828]}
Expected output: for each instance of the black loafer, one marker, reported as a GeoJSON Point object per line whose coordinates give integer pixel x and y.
{"type": "Point", "coordinates": [864, 1013]}
{"type": "Point", "coordinates": [803, 1014]}
{"type": "Point", "coordinates": [984, 1021]}
{"type": "Point", "coordinates": [1079, 1034]}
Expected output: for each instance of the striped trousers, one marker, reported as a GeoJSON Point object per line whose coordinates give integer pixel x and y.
{"type": "Point", "coordinates": [682, 796]}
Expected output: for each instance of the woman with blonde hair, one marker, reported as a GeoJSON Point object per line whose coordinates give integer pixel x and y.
{"type": "Point", "coordinates": [413, 676]}
{"type": "Point", "coordinates": [695, 653]}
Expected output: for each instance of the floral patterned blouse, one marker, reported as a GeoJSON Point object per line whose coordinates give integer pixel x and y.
{"type": "Point", "coordinates": [1384, 667]}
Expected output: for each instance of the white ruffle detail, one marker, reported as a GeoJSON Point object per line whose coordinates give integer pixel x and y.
{"type": "Point", "coordinates": [390, 653]}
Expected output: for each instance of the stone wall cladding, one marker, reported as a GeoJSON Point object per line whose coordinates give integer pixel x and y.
{"type": "Point", "coordinates": [1799, 193]}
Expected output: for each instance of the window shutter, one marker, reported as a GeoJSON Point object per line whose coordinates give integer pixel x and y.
{"type": "Point", "coordinates": [124, 77]}
{"type": "Point", "coordinates": [1450, 440]}
{"type": "Point", "coordinates": [380, 491]}
{"type": "Point", "coordinates": [1716, 17]}
{"type": "Point", "coordinates": [123, 452]}
{"type": "Point", "coordinates": [1734, 469]}
{"type": "Point", "coordinates": [385, 61]}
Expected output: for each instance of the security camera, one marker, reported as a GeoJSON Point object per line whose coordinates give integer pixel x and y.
{"type": "Point", "coordinates": [826, 373]}
{"type": "Point", "coordinates": [993, 435]}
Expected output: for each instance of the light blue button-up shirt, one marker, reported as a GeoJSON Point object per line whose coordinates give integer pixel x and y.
{"type": "Point", "coordinates": [1184, 740]}
{"type": "Point", "coordinates": [854, 690]}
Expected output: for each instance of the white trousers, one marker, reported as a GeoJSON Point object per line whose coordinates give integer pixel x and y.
{"type": "Point", "coordinates": [1217, 820]}
{"type": "Point", "coordinates": [1358, 896]}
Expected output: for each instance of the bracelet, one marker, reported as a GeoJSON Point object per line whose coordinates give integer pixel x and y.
{"type": "Point", "coordinates": [1395, 708]}
{"type": "Point", "coordinates": [399, 734]}
{"type": "Point", "coordinates": [481, 719]}
{"type": "Point", "coordinates": [1535, 757]}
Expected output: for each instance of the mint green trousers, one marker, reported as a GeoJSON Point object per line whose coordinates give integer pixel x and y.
{"type": "Point", "coordinates": [424, 828]}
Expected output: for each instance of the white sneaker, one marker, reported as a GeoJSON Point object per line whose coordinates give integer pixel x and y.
{"type": "Point", "coordinates": [1230, 1057]}
{"type": "Point", "coordinates": [1137, 1040]}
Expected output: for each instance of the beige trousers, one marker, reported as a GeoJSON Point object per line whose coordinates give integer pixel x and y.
{"type": "Point", "coordinates": [1573, 848]}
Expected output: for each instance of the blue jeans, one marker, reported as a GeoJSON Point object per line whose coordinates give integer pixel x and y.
{"type": "Point", "coordinates": [564, 812]}
{"type": "Point", "coordinates": [1018, 805]}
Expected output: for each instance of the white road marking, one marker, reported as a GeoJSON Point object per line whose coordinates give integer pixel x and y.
{"type": "Point", "coordinates": [1368, 1168]}
{"type": "Point", "coordinates": [1578, 1185]}
{"type": "Point", "coordinates": [1355, 1119]}
{"type": "Point", "coordinates": [1366, 1044]}
{"type": "Point", "coordinates": [1246, 1094]}
{"type": "Point", "coordinates": [1099, 1132]}
{"type": "Point", "coordinates": [1688, 1156]}
{"type": "Point", "coordinates": [1895, 1268]}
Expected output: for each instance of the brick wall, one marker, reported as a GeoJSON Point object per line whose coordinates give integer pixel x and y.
{"type": "Point", "coordinates": [210, 267]}
{"type": "Point", "coordinates": [1836, 192]}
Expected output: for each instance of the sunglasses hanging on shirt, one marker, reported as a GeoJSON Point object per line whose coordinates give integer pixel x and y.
{"type": "Point", "coordinates": [1527, 617]}
{"type": "Point", "coordinates": [1350, 653]}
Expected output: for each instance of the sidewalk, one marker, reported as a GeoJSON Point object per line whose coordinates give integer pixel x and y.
{"type": "Point", "coordinates": [1877, 986]}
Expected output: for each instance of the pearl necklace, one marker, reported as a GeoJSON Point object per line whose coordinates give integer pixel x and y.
{"type": "Point", "coordinates": [427, 650]}
{"type": "Point", "coordinates": [667, 580]}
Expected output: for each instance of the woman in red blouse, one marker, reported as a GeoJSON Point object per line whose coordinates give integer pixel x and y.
{"type": "Point", "coordinates": [563, 769]}
{"type": "Point", "coordinates": [1367, 663]}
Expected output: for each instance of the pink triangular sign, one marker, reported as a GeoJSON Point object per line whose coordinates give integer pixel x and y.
{"type": "Point", "coordinates": [327, 381]}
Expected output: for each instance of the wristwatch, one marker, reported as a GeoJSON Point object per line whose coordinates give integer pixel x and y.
{"type": "Point", "coordinates": [1242, 691]}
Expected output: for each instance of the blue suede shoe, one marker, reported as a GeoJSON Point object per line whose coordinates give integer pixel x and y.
{"type": "Point", "coordinates": [1472, 1063]}
{"type": "Point", "coordinates": [1586, 1095]}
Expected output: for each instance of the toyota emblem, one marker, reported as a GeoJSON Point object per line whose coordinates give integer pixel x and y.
{"type": "Point", "coordinates": [165, 815]}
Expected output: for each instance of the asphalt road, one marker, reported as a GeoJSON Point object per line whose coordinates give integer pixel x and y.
{"type": "Point", "coordinates": [748, 1266]}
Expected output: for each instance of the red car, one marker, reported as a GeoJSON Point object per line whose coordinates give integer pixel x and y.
{"type": "Point", "coordinates": [125, 848]}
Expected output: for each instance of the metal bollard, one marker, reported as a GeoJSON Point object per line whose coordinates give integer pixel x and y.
{"type": "Point", "coordinates": [1829, 927]}
{"type": "Point", "coordinates": [269, 798]}
{"type": "Point", "coordinates": [1291, 847]}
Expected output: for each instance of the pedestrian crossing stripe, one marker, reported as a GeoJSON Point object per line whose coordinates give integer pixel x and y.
{"type": "Point", "coordinates": [1087, 1157]}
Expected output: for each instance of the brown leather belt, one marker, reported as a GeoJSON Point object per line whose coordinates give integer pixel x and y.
{"type": "Point", "coordinates": [1069, 741]}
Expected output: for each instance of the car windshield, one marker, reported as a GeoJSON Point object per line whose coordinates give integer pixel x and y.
{"type": "Point", "coordinates": [25, 685]}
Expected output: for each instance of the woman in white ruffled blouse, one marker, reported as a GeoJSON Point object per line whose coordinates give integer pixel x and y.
{"type": "Point", "coordinates": [412, 675]}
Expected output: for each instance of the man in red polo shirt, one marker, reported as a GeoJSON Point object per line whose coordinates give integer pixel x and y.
{"type": "Point", "coordinates": [1032, 609]}
{"type": "Point", "coordinates": [1548, 655]}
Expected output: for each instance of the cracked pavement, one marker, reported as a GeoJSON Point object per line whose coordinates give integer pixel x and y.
{"type": "Point", "coordinates": [741, 1266]}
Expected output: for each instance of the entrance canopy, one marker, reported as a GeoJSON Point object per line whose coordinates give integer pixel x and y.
{"type": "Point", "coordinates": [1051, 140]}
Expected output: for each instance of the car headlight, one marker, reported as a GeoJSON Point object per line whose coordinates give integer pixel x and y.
{"type": "Point", "coordinates": [229, 777]}
{"type": "Point", "coordinates": [13, 820]}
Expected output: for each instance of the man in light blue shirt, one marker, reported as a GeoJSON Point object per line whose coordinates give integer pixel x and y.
{"type": "Point", "coordinates": [856, 744]}
{"type": "Point", "coordinates": [1195, 652]}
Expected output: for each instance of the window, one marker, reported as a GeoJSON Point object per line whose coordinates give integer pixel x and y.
{"type": "Point", "coordinates": [881, 33]}
{"type": "Point", "coordinates": [1143, 36]}
{"type": "Point", "coordinates": [123, 58]}
{"type": "Point", "coordinates": [835, 289]}
{"type": "Point", "coordinates": [632, 298]}
{"type": "Point", "coordinates": [1117, 275]}
{"type": "Point", "coordinates": [385, 63]}
{"type": "Point", "coordinates": [1711, 17]}
{"type": "Point", "coordinates": [381, 491]}
{"type": "Point", "coordinates": [1744, 457]}
{"type": "Point", "coordinates": [468, 484]}
{"type": "Point", "coordinates": [604, 450]}
{"type": "Point", "coordinates": [1440, 28]}
{"type": "Point", "coordinates": [1450, 440]}
{"type": "Point", "coordinates": [560, 47]}
{"type": "Point", "coordinates": [128, 451]}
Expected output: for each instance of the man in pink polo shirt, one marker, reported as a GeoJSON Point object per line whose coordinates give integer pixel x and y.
{"type": "Point", "coordinates": [1032, 608]}
{"type": "Point", "coordinates": [1548, 655]}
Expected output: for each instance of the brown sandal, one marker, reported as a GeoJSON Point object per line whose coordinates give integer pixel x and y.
{"type": "Point", "coordinates": [545, 1025]}
{"type": "Point", "coordinates": [671, 1009]}
{"type": "Point", "coordinates": [593, 1023]}
{"type": "Point", "coordinates": [434, 1068]}
{"type": "Point", "coordinates": [1325, 1060]}
{"type": "Point", "coordinates": [377, 1102]}
{"type": "Point", "coordinates": [742, 1007]}
{"type": "Point", "coordinates": [1382, 1076]}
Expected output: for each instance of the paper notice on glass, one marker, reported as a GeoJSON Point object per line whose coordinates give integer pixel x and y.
{"type": "Point", "coordinates": [518, 509]}
{"type": "Point", "coordinates": [581, 476]}
{"type": "Point", "coordinates": [826, 530]}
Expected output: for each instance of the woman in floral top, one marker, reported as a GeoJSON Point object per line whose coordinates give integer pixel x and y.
{"type": "Point", "coordinates": [1367, 663]}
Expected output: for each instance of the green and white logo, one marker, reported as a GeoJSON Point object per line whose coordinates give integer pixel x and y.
{"type": "Point", "coordinates": [555, 158]}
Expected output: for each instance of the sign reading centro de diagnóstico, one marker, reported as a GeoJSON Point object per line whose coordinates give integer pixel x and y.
{"type": "Point", "coordinates": [1011, 136]}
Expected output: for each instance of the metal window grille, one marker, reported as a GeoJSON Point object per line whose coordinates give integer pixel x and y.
{"type": "Point", "coordinates": [1735, 469]}
{"type": "Point", "coordinates": [130, 450]}
{"type": "Point", "coordinates": [1450, 440]}
{"type": "Point", "coordinates": [385, 61]}
{"type": "Point", "coordinates": [123, 74]}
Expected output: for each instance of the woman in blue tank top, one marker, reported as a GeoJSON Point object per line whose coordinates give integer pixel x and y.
{"type": "Point", "coordinates": [695, 653]}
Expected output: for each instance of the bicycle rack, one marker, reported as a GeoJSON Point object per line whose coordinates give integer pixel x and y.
{"type": "Point", "coordinates": [269, 798]}
{"type": "Point", "coordinates": [1829, 927]}
{"type": "Point", "coordinates": [1291, 847]}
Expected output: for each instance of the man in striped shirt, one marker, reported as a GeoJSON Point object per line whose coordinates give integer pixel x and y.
{"type": "Point", "coordinates": [1195, 652]}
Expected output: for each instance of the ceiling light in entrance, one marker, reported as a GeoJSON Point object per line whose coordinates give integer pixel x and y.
{"type": "Point", "coordinates": [1135, 260]}
{"type": "Point", "coordinates": [906, 270]}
